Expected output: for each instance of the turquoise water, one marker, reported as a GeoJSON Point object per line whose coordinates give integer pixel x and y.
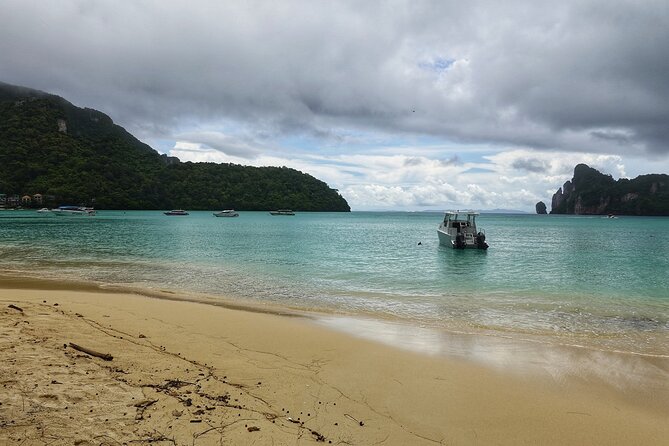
{"type": "Point", "coordinates": [568, 279]}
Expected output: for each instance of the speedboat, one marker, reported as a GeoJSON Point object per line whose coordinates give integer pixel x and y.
{"type": "Point", "coordinates": [44, 211]}
{"type": "Point", "coordinates": [458, 230]}
{"type": "Point", "coordinates": [226, 213]}
{"type": "Point", "coordinates": [282, 212]}
{"type": "Point", "coordinates": [73, 211]}
{"type": "Point", "coordinates": [176, 212]}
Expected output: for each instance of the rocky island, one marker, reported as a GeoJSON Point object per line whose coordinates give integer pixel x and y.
{"type": "Point", "coordinates": [591, 192]}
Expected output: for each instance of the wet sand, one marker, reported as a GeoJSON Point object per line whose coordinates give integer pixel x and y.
{"type": "Point", "coordinates": [189, 373]}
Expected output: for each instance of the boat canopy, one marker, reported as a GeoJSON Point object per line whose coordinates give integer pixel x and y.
{"type": "Point", "coordinates": [462, 213]}
{"type": "Point", "coordinates": [460, 216]}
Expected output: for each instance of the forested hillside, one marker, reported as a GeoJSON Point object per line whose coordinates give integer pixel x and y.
{"type": "Point", "coordinates": [79, 156]}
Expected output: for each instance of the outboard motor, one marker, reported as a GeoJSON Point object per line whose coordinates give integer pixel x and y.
{"type": "Point", "coordinates": [480, 241]}
{"type": "Point", "coordinates": [460, 241]}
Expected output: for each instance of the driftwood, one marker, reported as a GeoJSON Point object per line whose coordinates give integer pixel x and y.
{"type": "Point", "coordinates": [105, 356]}
{"type": "Point", "coordinates": [142, 406]}
{"type": "Point", "coordinates": [16, 308]}
{"type": "Point", "coordinates": [361, 423]}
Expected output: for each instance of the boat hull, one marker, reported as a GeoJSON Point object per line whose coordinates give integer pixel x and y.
{"type": "Point", "coordinates": [73, 213]}
{"type": "Point", "coordinates": [446, 239]}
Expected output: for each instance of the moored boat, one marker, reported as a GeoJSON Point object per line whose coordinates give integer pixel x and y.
{"type": "Point", "coordinates": [74, 211]}
{"type": "Point", "coordinates": [282, 212]}
{"type": "Point", "coordinates": [226, 213]}
{"type": "Point", "coordinates": [458, 230]}
{"type": "Point", "coordinates": [176, 212]}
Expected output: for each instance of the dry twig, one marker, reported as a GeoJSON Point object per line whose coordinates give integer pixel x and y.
{"type": "Point", "coordinates": [88, 351]}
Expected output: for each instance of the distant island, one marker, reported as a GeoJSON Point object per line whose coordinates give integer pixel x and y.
{"type": "Point", "coordinates": [501, 211]}
{"type": "Point", "coordinates": [590, 192]}
{"type": "Point", "coordinates": [52, 152]}
{"type": "Point", "coordinates": [481, 211]}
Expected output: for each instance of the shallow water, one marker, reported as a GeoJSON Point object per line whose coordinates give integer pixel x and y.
{"type": "Point", "coordinates": [570, 280]}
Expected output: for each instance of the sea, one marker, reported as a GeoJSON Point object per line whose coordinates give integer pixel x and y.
{"type": "Point", "coordinates": [586, 281]}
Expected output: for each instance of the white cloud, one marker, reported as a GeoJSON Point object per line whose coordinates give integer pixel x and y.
{"type": "Point", "coordinates": [510, 180]}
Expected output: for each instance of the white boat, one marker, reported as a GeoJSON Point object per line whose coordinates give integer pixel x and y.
{"type": "Point", "coordinates": [226, 213]}
{"type": "Point", "coordinates": [458, 230]}
{"type": "Point", "coordinates": [176, 212]}
{"type": "Point", "coordinates": [282, 212]}
{"type": "Point", "coordinates": [73, 211]}
{"type": "Point", "coordinates": [44, 211]}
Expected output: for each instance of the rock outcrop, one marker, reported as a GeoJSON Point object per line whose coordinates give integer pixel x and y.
{"type": "Point", "coordinates": [592, 193]}
{"type": "Point", "coordinates": [540, 207]}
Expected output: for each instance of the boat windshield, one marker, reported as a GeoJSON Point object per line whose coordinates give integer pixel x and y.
{"type": "Point", "coordinates": [457, 218]}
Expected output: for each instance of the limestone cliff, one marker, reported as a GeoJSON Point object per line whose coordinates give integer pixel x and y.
{"type": "Point", "coordinates": [592, 193]}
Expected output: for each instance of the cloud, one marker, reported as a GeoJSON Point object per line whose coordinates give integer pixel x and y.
{"type": "Point", "coordinates": [539, 74]}
{"type": "Point", "coordinates": [379, 182]}
{"type": "Point", "coordinates": [227, 144]}
{"type": "Point", "coordinates": [618, 136]}
{"type": "Point", "coordinates": [397, 104]}
{"type": "Point", "coordinates": [529, 164]}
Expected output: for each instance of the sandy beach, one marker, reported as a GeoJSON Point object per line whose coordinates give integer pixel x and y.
{"type": "Point", "coordinates": [188, 373]}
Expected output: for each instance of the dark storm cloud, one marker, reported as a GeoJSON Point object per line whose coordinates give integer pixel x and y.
{"type": "Point", "coordinates": [580, 75]}
{"type": "Point", "coordinates": [613, 136]}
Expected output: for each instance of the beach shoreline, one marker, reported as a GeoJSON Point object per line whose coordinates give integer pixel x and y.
{"type": "Point", "coordinates": [294, 380]}
{"type": "Point", "coordinates": [421, 335]}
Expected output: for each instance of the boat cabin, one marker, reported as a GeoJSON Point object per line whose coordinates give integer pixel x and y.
{"type": "Point", "coordinates": [461, 221]}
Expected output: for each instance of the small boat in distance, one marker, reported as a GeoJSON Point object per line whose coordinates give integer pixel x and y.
{"type": "Point", "coordinates": [226, 213]}
{"type": "Point", "coordinates": [282, 212]}
{"type": "Point", "coordinates": [458, 230]}
{"type": "Point", "coordinates": [176, 212]}
{"type": "Point", "coordinates": [44, 211]}
{"type": "Point", "coordinates": [73, 211]}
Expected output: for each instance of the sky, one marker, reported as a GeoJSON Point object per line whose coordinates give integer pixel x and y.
{"type": "Point", "coordinates": [400, 105]}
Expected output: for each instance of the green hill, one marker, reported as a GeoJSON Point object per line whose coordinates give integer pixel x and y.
{"type": "Point", "coordinates": [591, 192]}
{"type": "Point", "coordinates": [79, 156]}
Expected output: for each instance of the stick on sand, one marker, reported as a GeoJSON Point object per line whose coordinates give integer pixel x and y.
{"type": "Point", "coordinates": [105, 356]}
